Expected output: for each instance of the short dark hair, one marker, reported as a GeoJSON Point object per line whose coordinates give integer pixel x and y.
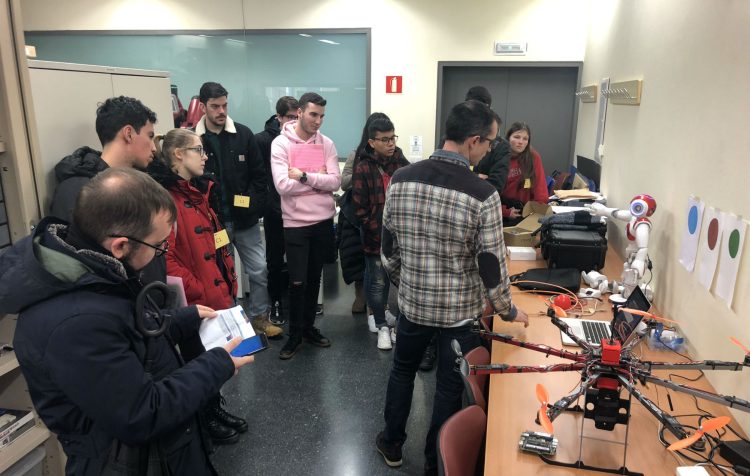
{"type": "Point", "coordinates": [211, 90]}
{"type": "Point", "coordinates": [120, 201]}
{"type": "Point", "coordinates": [314, 98]}
{"type": "Point", "coordinates": [479, 93]}
{"type": "Point", "coordinates": [468, 119]}
{"type": "Point", "coordinates": [286, 104]}
{"type": "Point", "coordinates": [116, 113]}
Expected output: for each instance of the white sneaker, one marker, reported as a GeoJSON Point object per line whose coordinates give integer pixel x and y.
{"type": "Point", "coordinates": [384, 338]}
{"type": "Point", "coordinates": [371, 323]}
{"type": "Point", "coordinates": [393, 335]}
{"type": "Point", "coordinates": [390, 319]}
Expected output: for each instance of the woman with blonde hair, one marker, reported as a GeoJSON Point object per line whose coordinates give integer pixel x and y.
{"type": "Point", "coordinates": [196, 254]}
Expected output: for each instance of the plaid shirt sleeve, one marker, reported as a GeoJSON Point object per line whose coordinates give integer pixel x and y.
{"type": "Point", "coordinates": [490, 253]}
{"type": "Point", "coordinates": [390, 253]}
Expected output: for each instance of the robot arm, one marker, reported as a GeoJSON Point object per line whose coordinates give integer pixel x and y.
{"type": "Point", "coordinates": [618, 214]}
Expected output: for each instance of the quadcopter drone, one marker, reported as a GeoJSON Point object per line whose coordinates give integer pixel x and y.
{"type": "Point", "coordinates": [605, 371]}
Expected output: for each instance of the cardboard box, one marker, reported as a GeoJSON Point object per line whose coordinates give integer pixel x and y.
{"type": "Point", "coordinates": [520, 235]}
{"type": "Point", "coordinates": [521, 253]}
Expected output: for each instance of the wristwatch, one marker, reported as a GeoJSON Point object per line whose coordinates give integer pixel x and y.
{"type": "Point", "coordinates": [303, 179]}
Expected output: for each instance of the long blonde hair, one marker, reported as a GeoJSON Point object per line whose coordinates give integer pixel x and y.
{"type": "Point", "coordinates": [167, 144]}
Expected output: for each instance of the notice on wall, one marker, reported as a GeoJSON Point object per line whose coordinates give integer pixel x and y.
{"type": "Point", "coordinates": [729, 260]}
{"type": "Point", "coordinates": [691, 233]}
{"type": "Point", "coordinates": [415, 147]}
{"type": "Point", "coordinates": [708, 253]}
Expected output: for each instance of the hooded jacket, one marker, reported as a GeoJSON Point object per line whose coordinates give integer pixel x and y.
{"type": "Point", "coordinates": [72, 173]}
{"type": "Point", "coordinates": [86, 363]}
{"type": "Point", "coordinates": [304, 204]}
{"type": "Point", "coordinates": [264, 139]}
{"type": "Point", "coordinates": [208, 274]}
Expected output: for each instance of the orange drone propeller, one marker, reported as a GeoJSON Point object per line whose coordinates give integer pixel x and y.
{"type": "Point", "coordinates": [647, 314]}
{"type": "Point", "coordinates": [543, 397]}
{"type": "Point", "coordinates": [709, 425]}
{"type": "Point", "coordinates": [740, 345]}
{"type": "Point", "coordinates": [559, 312]}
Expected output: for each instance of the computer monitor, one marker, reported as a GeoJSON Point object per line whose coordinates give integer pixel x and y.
{"type": "Point", "coordinates": [590, 169]}
{"type": "Point", "coordinates": [624, 323]}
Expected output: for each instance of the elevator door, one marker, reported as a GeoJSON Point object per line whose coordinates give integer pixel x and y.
{"type": "Point", "coordinates": [541, 96]}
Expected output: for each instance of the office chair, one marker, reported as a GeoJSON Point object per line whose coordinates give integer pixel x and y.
{"type": "Point", "coordinates": [475, 386]}
{"type": "Point", "coordinates": [460, 442]}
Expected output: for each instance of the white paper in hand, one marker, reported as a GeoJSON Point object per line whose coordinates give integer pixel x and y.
{"type": "Point", "coordinates": [230, 323]}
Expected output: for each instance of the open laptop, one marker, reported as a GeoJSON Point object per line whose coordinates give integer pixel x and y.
{"type": "Point", "coordinates": [624, 323]}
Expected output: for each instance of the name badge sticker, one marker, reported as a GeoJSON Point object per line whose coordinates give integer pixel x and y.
{"type": "Point", "coordinates": [242, 201]}
{"type": "Point", "coordinates": [527, 183]}
{"type": "Point", "coordinates": [221, 238]}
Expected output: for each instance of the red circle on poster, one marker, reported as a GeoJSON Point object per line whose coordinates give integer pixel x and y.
{"type": "Point", "coordinates": [713, 233]}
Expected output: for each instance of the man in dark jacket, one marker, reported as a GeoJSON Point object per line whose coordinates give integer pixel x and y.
{"type": "Point", "coordinates": [273, 225]}
{"type": "Point", "coordinates": [240, 199]}
{"type": "Point", "coordinates": [119, 401]}
{"type": "Point", "coordinates": [126, 130]}
{"type": "Point", "coordinates": [494, 166]}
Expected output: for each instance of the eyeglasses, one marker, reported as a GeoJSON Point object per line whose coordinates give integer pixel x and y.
{"type": "Point", "coordinates": [493, 142]}
{"type": "Point", "coordinates": [161, 248]}
{"type": "Point", "coordinates": [199, 149]}
{"type": "Point", "coordinates": [387, 140]}
{"type": "Point", "coordinates": [290, 117]}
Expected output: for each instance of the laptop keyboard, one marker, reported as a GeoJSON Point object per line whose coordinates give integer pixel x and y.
{"type": "Point", "coordinates": [595, 331]}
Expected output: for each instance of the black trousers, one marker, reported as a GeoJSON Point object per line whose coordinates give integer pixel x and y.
{"type": "Point", "coordinates": [273, 227]}
{"type": "Point", "coordinates": [307, 248]}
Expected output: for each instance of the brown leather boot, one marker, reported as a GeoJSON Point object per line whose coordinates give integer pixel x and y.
{"type": "Point", "coordinates": [359, 298]}
{"type": "Point", "coordinates": [261, 324]}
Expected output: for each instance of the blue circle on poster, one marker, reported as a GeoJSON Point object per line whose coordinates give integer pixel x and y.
{"type": "Point", "coordinates": [693, 219]}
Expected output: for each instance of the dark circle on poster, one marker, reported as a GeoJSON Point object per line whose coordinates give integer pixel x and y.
{"type": "Point", "coordinates": [734, 243]}
{"type": "Point", "coordinates": [713, 234]}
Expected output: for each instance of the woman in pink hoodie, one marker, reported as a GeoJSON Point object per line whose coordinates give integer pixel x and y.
{"type": "Point", "coordinates": [305, 169]}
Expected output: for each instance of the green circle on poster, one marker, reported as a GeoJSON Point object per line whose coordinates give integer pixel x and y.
{"type": "Point", "coordinates": [734, 243]}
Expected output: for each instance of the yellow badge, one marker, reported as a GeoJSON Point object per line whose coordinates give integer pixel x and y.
{"type": "Point", "coordinates": [527, 183]}
{"type": "Point", "coordinates": [241, 201]}
{"type": "Point", "coordinates": [221, 238]}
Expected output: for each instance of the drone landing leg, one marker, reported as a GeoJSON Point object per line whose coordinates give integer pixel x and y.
{"type": "Point", "coordinates": [581, 465]}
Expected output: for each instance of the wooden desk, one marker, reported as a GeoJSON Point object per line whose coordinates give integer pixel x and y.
{"type": "Point", "coordinates": [513, 404]}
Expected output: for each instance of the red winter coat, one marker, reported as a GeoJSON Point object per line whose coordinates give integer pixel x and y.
{"type": "Point", "coordinates": [207, 273]}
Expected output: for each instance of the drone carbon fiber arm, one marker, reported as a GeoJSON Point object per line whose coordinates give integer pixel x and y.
{"type": "Point", "coordinates": [524, 369]}
{"type": "Point", "coordinates": [544, 349]}
{"type": "Point", "coordinates": [554, 410]}
{"type": "Point", "coordinates": [695, 365]}
{"type": "Point", "coordinates": [729, 401]}
{"type": "Point", "coordinates": [669, 422]}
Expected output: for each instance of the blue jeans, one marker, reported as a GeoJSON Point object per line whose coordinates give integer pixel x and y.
{"type": "Point", "coordinates": [376, 288]}
{"type": "Point", "coordinates": [252, 251]}
{"type": "Point", "coordinates": [412, 340]}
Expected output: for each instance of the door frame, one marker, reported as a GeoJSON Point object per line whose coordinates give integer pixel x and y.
{"type": "Point", "coordinates": [509, 64]}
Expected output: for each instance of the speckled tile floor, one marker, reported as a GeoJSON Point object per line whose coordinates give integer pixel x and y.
{"type": "Point", "coordinates": [319, 413]}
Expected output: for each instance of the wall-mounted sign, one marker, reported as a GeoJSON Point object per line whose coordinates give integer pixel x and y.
{"type": "Point", "coordinates": [394, 84]}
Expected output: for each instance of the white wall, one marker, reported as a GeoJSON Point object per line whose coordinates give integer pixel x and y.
{"type": "Point", "coordinates": [408, 37]}
{"type": "Point", "coordinates": [689, 135]}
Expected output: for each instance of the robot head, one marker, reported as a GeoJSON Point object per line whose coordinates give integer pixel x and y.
{"type": "Point", "coordinates": [642, 206]}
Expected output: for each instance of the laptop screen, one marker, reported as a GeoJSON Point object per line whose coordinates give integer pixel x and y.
{"type": "Point", "coordinates": [624, 323]}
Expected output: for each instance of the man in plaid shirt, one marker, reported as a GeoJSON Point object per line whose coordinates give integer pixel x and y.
{"type": "Point", "coordinates": [442, 246]}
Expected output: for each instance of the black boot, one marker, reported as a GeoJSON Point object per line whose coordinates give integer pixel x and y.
{"type": "Point", "coordinates": [220, 434]}
{"type": "Point", "coordinates": [229, 420]}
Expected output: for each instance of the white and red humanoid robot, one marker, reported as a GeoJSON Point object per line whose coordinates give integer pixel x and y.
{"type": "Point", "coordinates": [638, 230]}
